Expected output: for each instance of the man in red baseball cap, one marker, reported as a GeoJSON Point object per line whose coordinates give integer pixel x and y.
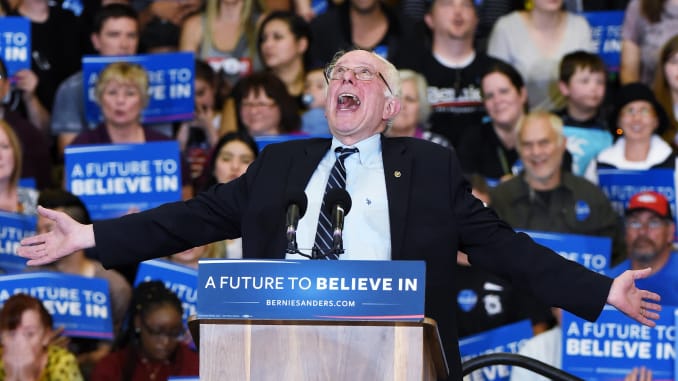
{"type": "Point", "coordinates": [650, 230]}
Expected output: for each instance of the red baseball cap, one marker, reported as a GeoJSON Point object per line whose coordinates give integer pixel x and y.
{"type": "Point", "coordinates": [652, 201]}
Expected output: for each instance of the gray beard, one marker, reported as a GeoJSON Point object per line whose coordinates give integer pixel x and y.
{"type": "Point", "coordinates": [643, 257]}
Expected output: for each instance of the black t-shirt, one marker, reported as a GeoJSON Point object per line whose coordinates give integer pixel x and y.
{"type": "Point", "coordinates": [483, 153]}
{"type": "Point", "coordinates": [483, 301]}
{"type": "Point", "coordinates": [332, 32]}
{"type": "Point", "coordinates": [55, 52]}
{"type": "Point", "coordinates": [454, 94]}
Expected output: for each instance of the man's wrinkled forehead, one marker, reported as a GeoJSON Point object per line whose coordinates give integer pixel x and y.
{"type": "Point", "coordinates": [359, 58]}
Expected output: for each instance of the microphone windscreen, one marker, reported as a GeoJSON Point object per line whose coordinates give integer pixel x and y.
{"type": "Point", "coordinates": [338, 196]}
{"type": "Point", "coordinates": [298, 197]}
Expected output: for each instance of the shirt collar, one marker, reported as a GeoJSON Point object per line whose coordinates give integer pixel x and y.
{"type": "Point", "coordinates": [367, 148]}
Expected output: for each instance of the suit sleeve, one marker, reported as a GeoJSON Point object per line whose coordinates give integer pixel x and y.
{"type": "Point", "coordinates": [212, 215]}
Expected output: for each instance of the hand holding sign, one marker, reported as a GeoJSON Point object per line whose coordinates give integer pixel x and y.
{"type": "Point", "coordinates": [639, 374]}
{"type": "Point", "coordinates": [633, 302]}
{"type": "Point", "coordinates": [68, 236]}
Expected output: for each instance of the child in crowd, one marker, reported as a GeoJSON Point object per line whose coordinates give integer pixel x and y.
{"type": "Point", "coordinates": [313, 121]}
{"type": "Point", "coordinates": [582, 83]}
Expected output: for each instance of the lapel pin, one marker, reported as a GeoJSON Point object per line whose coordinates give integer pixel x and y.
{"type": "Point", "coordinates": [397, 174]}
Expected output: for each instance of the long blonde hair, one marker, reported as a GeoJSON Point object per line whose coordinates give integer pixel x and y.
{"type": "Point", "coordinates": [247, 26]}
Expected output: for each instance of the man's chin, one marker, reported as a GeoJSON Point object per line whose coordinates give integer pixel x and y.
{"type": "Point", "coordinates": [643, 258]}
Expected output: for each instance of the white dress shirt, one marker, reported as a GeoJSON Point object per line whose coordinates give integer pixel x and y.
{"type": "Point", "coordinates": [367, 234]}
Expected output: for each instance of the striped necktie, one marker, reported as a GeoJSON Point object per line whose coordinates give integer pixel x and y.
{"type": "Point", "coordinates": [324, 238]}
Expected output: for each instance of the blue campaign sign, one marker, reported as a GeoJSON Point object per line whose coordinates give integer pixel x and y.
{"type": "Point", "coordinates": [12, 264]}
{"type": "Point", "coordinates": [182, 280]}
{"type": "Point", "coordinates": [319, 290]}
{"type": "Point", "coordinates": [620, 185]}
{"type": "Point", "coordinates": [114, 179]}
{"type": "Point", "coordinates": [509, 338]}
{"type": "Point", "coordinates": [15, 43]}
{"type": "Point", "coordinates": [170, 79]}
{"type": "Point", "coordinates": [609, 348]}
{"type": "Point", "coordinates": [606, 31]}
{"type": "Point", "coordinates": [13, 228]}
{"type": "Point", "coordinates": [584, 144]}
{"type": "Point", "coordinates": [589, 251]}
{"type": "Point", "coordinates": [27, 182]}
{"type": "Point", "coordinates": [80, 305]}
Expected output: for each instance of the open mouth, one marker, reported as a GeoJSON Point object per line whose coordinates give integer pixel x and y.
{"type": "Point", "coordinates": [347, 101]}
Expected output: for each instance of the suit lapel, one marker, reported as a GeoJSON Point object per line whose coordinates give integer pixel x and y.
{"type": "Point", "coordinates": [398, 164]}
{"type": "Point", "coordinates": [305, 162]}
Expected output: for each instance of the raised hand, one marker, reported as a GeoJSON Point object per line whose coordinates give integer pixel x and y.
{"type": "Point", "coordinates": [633, 302]}
{"type": "Point", "coordinates": [67, 237]}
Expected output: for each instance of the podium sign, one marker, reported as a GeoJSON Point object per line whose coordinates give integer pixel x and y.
{"type": "Point", "coordinates": [318, 290]}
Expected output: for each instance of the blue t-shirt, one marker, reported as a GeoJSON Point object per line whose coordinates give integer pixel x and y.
{"type": "Point", "coordinates": [664, 282]}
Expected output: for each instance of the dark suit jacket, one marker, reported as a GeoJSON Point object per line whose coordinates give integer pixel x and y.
{"type": "Point", "coordinates": [431, 213]}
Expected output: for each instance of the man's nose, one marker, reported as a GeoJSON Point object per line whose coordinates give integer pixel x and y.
{"type": "Point", "coordinates": [349, 76]}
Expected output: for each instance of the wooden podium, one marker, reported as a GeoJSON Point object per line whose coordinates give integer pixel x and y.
{"type": "Point", "coordinates": [261, 350]}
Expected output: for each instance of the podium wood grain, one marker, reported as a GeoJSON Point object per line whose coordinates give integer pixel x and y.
{"type": "Point", "coordinates": [261, 350]}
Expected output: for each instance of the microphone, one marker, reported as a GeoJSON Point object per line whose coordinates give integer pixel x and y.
{"type": "Point", "coordinates": [338, 204]}
{"type": "Point", "coordinates": [296, 207]}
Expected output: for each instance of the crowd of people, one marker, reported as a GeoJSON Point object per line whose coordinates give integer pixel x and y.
{"type": "Point", "coordinates": [514, 88]}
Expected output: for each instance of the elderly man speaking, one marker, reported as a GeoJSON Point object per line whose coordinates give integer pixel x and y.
{"type": "Point", "coordinates": [410, 202]}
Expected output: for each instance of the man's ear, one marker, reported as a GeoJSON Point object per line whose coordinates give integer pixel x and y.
{"type": "Point", "coordinates": [391, 108]}
{"type": "Point", "coordinates": [95, 41]}
{"type": "Point", "coordinates": [428, 20]}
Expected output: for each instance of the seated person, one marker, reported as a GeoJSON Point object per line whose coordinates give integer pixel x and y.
{"type": "Point", "coordinates": [25, 332]}
{"type": "Point", "coordinates": [152, 348]}
{"type": "Point", "coordinates": [88, 351]}
{"type": "Point", "coordinates": [650, 231]}
{"type": "Point", "coordinates": [546, 198]}
{"type": "Point", "coordinates": [122, 94]}
{"type": "Point", "coordinates": [582, 83]}
{"type": "Point", "coordinates": [264, 106]}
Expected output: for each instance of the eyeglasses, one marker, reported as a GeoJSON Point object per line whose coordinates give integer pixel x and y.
{"type": "Point", "coordinates": [177, 334]}
{"type": "Point", "coordinates": [643, 111]}
{"type": "Point", "coordinates": [652, 224]}
{"type": "Point", "coordinates": [258, 104]}
{"type": "Point", "coordinates": [361, 73]}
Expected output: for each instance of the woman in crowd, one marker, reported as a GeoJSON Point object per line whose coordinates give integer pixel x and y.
{"type": "Point", "coordinates": [197, 136]}
{"type": "Point", "coordinates": [13, 198]}
{"type": "Point", "coordinates": [25, 333]}
{"type": "Point", "coordinates": [122, 95]}
{"type": "Point", "coordinates": [414, 110]}
{"type": "Point", "coordinates": [648, 24]}
{"type": "Point", "coordinates": [665, 87]}
{"type": "Point", "coordinates": [88, 351]}
{"type": "Point", "coordinates": [224, 35]}
{"type": "Point", "coordinates": [283, 45]}
{"type": "Point", "coordinates": [232, 155]}
{"type": "Point", "coordinates": [152, 349]}
{"type": "Point", "coordinates": [534, 41]}
{"type": "Point", "coordinates": [642, 121]}
{"type": "Point", "coordinates": [264, 106]}
{"type": "Point", "coordinates": [490, 149]}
